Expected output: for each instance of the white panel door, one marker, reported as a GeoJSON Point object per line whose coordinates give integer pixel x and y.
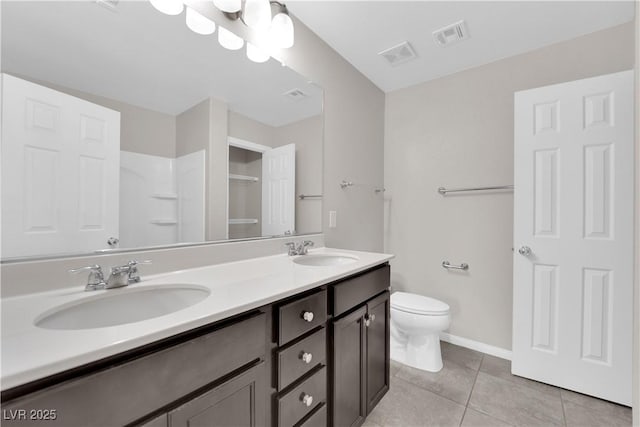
{"type": "Point", "coordinates": [60, 171]}
{"type": "Point", "coordinates": [573, 235]}
{"type": "Point", "coordinates": [278, 190]}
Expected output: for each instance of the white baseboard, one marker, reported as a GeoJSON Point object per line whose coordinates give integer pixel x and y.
{"type": "Point", "coordinates": [477, 346]}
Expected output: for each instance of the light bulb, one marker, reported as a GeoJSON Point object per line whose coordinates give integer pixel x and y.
{"type": "Point", "coordinates": [281, 32]}
{"type": "Point", "coordinates": [257, 14]}
{"type": "Point", "coordinates": [169, 7]}
{"type": "Point", "coordinates": [230, 6]}
{"type": "Point", "coordinates": [229, 40]}
{"type": "Point", "coordinates": [198, 23]}
{"type": "Point", "coordinates": [255, 54]}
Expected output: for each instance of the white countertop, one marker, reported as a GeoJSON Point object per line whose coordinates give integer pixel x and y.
{"type": "Point", "coordinates": [30, 352]}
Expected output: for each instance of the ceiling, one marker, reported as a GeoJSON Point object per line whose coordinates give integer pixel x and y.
{"type": "Point", "coordinates": [139, 56]}
{"type": "Point", "coordinates": [358, 30]}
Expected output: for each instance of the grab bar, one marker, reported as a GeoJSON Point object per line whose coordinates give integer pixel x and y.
{"type": "Point", "coordinates": [310, 196]}
{"type": "Point", "coordinates": [463, 266]}
{"type": "Point", "coordinates": [444, 191]}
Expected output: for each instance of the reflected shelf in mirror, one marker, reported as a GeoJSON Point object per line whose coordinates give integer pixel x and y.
{"type": "Point", "coordinates": [236, 177]}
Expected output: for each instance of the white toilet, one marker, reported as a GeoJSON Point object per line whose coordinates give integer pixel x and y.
{"type": "Point", "coordinates": [416, 322]}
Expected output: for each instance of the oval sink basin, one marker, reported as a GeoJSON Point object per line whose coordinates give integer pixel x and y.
{"type": "Point", "coordinates": [121, 306]}
{"type": "Point", "coordinates": [324, 260]}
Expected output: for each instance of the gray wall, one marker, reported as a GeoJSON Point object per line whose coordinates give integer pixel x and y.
{"type": "Point", "coordinates": [204, 127]}
{"type": "Point", "coordinates": [250, 130]}
{"type": "Point", "coordinates": [218, 168]}
{"type": "Point", "coordinates": [307, 135]}
{"type": "Point", "coordinates": [457, 131]}
{"type": "Point", "coordinates": [353, 142]}
{"type": "Point", "coordinates": [192, 129]}
{"type": "Point", "coordinates": [636, 346]}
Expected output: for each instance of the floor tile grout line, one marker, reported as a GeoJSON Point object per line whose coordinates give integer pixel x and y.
{"type": "Point", "coordinates": [466, 406]}
{"type": "Point", "coordinates": [428, 391]}
{"type": "Point", "coordinates": [564, 412]}
{"type": "Point", "coordinates": [585, 405]}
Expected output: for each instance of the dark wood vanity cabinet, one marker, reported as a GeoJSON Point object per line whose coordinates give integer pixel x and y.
{"type": "Point", "coordinates": [144, 383]}
{"type": "Point", "coordinates": [240, 401]}
{"type": "Point", "coordinates": [360, 351]}
{"type": "Point", "coordinates": [317, 359]}
{"type": "Point", "coordinates": [377, 349]}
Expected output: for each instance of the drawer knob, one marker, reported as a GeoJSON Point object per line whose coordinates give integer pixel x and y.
{"type": "Point", "coordinates": [306, 399]}
{"type": "Point", "coordinates": [307, 316]}
{"type": "Point", "coordinates": [306, 357]}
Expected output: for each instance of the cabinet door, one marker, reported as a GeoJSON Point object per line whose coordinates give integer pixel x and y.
{"type": "Point", "coordinates": [377, 354]}
{"type": "Point", "coordinates": [239, 402]}
{"type": "Point", "coordinates": [348, 402]}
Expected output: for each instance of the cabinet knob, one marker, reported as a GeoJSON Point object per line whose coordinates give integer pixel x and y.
{"type": "Point", "coordinates": [306, 399]}
{"type": "Point", "coordinates": [307, 316]}
{"type": "Point", "coordinates": [306, 357]}
{"type": "Point", "coordinates": [369, 319]}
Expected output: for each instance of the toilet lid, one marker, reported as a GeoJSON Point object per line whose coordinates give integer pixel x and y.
{"type": "Point", "coordinates": [418, 304]}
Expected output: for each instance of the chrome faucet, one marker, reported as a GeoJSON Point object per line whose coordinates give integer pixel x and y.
{"type": "Point", "coordinates": [292, 248]}
{"type": "Point", "coordinates": [95, 280]}
{"type": "Point", "coordinates": [122, 275]}
{"type": "Point", "coordinates": [301, 249]}
{"type": "Point", "coordinates": [134, 276]}
{"type": "Point", "coordinates": [304, 247]}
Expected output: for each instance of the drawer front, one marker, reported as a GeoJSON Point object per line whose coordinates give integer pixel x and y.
{"type": "Point", "coordinates": [165, 376]}
{"type": "Point", "coordinates": [300, 316]}
{"type": "Point", "coordinates": [352, 292]}
{"type": "Point", "coordinates": [317, 419]}
{"type": "Point", "coordinates": [299, 358]}
{"type": "Point", "coordinates": [292, 407]}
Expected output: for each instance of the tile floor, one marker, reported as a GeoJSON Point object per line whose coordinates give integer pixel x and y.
{"type": "Point", "coordinates": [475, 389]}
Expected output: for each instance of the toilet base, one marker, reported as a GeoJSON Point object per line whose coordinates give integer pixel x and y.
{"type": "Point", "coordinates": [418, 351]}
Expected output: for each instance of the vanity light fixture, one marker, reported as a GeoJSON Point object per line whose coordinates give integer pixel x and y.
{"type": "Point", "coordinates": [228, 40]}
{"type": "Point", "coordinates": [229, 6]}
{"type": "Point", "coordinates": [257, 14]}
{"type": "Point", "coordinates": [255, 54]}
{"type": "Point", "coordinates": [168, 7]}
{"type": "Point", "coordinates": [199, 24]}
{"type": "Point", "coordinates": [281, 31]}
{"type": "Point", "coordinates": [277, 32]}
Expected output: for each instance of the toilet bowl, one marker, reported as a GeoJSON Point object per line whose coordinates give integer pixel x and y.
{"type": "Point", "coordinates": [416, 322]}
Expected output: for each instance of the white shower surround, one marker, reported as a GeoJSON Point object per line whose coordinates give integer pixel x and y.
{"type": "Point", "coordinates": [174, 193]}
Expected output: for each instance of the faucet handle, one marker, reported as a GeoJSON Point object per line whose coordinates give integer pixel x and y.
{"type": "Point", "coordinates": [302, 249]}
{"type": "Point", "coordinates": [134, 277]}
{"type": "Point", "coordinates": [134, 262]}
{"type": "Point", "coordinates": [95, 279]}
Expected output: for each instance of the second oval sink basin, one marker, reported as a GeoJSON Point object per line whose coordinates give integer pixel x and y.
{"type": "Point", "coordinates": [122, 306]}
{"type": "Point", "coordinates": [324, 260]}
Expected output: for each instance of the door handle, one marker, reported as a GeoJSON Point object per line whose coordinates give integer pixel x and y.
{"type": "Point", "coordinates": [524, 251]}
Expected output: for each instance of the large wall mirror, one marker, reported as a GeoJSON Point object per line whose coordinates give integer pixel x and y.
{"type": "Point", "coordinates": [123, 129]}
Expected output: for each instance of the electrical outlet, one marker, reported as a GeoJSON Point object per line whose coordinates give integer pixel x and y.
{"type": "Point", "coordinates": [333, 219]}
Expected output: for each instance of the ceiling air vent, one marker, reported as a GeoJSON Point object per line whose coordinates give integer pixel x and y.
{"type": "Point", "coordinates": [451, 34]}
{"type": "Point", "coordinates": [295, 94]}
{"type": "Point", "coordinates": [399, 54]}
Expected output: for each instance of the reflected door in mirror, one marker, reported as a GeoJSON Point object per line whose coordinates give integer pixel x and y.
{"type": "Point", "coordinates": [60, 162]}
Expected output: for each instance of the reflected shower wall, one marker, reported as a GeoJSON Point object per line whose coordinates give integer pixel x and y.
{"type": "Point", "coordinates": [161, 199]}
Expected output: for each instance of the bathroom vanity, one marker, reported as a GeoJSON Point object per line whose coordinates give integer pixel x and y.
{"type": "Point", "coordinates": [307, 346]}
